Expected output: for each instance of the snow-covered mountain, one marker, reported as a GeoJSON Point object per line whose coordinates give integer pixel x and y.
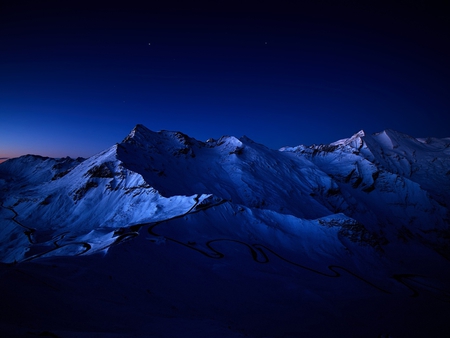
{"type": "Point", "coordinates": [163, 235]}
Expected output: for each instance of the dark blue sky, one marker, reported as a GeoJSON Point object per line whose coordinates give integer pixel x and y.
{"type": "Point", "coordinates": [75, 80]}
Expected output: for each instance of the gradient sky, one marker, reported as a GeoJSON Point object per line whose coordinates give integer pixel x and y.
{"type": "Point", "coordinates": [75, 80]}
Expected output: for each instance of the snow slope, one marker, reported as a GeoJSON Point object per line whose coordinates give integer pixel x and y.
{"type": "Point", "coordinates": [163, 235]}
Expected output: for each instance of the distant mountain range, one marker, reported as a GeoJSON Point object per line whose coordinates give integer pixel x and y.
{"type": "Point", "coordinates": [162, 235]}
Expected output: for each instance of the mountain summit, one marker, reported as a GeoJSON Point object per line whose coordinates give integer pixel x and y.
{"type": "Point", "coordinates": [164, 235]}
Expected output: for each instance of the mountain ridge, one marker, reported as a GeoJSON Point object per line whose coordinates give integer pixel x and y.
{"type": "Point", "coordinates": [370, 212]}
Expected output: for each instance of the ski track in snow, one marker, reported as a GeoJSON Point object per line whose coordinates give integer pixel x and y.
{"type": "Point", "coordinates": [28, 231]}
{"type": "Point", "coordinates": [256, 251]}
{"type": "Point", "coordinates": [404, 279]}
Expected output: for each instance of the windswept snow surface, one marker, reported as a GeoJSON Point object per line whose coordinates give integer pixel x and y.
{"type": "Point", "coordinates": [163, 235]}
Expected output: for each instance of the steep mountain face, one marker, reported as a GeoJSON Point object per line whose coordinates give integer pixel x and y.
{"type": "Point", "coordinates": [165, 235]}
{"type": "Point", "coordinates": [394, 184]}
{"type": "Point", "coordinates": [241, 171]}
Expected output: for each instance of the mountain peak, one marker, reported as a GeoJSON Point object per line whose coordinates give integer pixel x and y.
{"type": "Point", "coordinates": [355, 140]}
{"type": "Point", "coordinates": [360, 133]}
{"type": "Point", "coordinates": [137, 133]}
{"type": "Point", "coordinates": [140, 129]}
